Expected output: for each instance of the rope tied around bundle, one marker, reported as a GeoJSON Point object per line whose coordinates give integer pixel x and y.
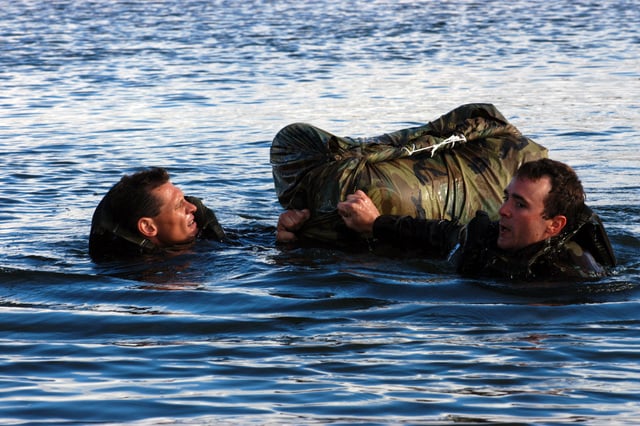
{"type": "Point", "coordinates": [450, 142]}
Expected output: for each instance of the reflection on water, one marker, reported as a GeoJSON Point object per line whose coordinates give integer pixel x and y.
{"type": "Point", "coordinates": [253, 333]}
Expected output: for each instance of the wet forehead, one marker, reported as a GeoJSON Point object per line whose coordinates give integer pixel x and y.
{"type": "Point", "coordinates": [168, 194]}
{"type": "Point", "coordinates": [531, 191]}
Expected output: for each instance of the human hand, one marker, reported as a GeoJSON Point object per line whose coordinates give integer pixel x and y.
{"type": "Point", "coordinates": [289, 222]}
{"type": "Point", "coordinates": [358, 212]}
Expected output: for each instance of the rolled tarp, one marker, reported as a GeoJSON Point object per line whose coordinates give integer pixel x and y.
{"type": "Point", "coordinates": [446, 169]}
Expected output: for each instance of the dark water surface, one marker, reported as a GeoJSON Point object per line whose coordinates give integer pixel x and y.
{"type": "Point", "coordinates": [250, 333]}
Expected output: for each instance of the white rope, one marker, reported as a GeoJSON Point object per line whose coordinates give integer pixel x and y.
{"type": "Point", "coordinates": [450, 142]}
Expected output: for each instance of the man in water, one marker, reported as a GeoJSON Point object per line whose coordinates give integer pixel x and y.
{"type": "Point", "coordinates": [144, 213]}
{"type": "Point", "coordinates": [545, 230]}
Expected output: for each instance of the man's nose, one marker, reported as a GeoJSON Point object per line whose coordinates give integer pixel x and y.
{"type": "Point", "coordinates": [504, 210]}
{"type": "Point", "coordinates": [191, 208]}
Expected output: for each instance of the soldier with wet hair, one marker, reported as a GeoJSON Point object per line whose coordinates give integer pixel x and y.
{"type": "Point", "coordinates": [566, 195]}
{"type": "Point", "coordinates": [144, 213]}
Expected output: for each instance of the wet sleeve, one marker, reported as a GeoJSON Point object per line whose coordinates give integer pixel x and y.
{"type": "Point", "coordinates": [436, 237]}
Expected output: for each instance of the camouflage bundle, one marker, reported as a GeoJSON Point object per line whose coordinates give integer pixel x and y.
{"type": "Point", "coordinates": [448, 169]}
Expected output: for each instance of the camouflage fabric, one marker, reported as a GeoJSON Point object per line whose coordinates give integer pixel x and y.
{"type": "Point", "coordinates": [446, 169]}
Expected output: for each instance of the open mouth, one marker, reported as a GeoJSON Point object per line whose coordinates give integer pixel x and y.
{"type": "Point", "coordinates": [192, 223]}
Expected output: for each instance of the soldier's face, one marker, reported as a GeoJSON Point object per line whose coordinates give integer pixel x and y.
{"type": "Point", "coordinates": [175, 224]}
{"type": "Point", "coordinates": [521, 214]}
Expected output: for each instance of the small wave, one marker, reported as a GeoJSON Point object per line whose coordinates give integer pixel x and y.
{"type": "Point", "coordinates": [16, 276]}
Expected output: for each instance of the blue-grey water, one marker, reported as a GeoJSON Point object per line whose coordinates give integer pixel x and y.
{"type": "Point", "coordinates": [250, 333]}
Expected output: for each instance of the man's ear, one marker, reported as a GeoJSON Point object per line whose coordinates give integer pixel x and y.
{"type": "Point", "coordinates": [557, 225]}
{"type": "Point", "coordinates": [147, 227]}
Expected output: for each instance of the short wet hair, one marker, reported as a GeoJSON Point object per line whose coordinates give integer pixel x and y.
{"type": "Point", "coordinates": [566, 197]}
{"type": "Point", "coordinates": [131, 198]}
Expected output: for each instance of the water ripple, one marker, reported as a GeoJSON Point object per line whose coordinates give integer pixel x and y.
{"type": "Point", "coordinates": [254, 333]}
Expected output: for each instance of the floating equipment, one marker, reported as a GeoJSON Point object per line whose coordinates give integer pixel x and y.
{"type": "Point", "coordinates": [446, 169]}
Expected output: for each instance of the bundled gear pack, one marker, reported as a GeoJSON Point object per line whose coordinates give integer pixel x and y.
{"type": "Point", "coordinates": [446, 169]}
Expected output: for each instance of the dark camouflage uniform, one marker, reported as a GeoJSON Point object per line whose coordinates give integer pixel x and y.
{"type": "Point", "coordinates": [315, 169]}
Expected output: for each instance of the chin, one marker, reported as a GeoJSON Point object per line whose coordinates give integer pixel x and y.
{"type": "Point", "coordinates": [502, 245]}
{"type": "Point", "coordinates": [186, 240]}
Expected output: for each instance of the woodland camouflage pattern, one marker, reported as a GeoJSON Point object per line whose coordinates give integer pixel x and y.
{"type": "Point", "coordinates": [315, 169]}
